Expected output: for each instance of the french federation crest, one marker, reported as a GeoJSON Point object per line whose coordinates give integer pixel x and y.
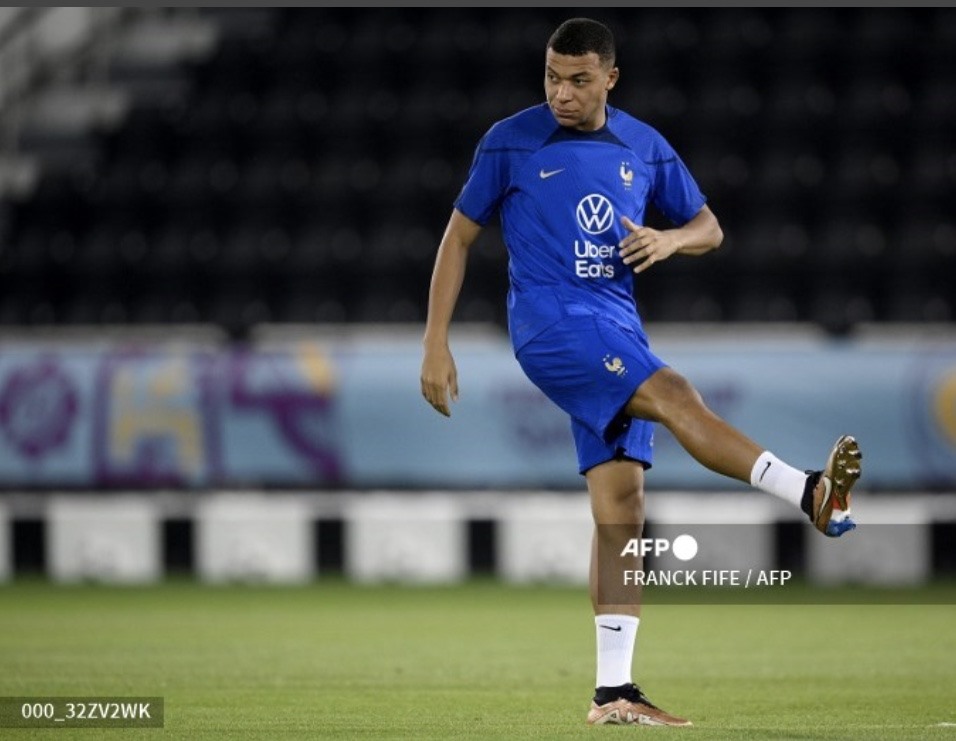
{"type": "Point", "coordinates": [627, 175]}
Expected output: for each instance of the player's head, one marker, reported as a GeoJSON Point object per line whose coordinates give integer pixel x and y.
{"type": "Point", "coordinates": [579, 73]}
{"type": "Point", "coordinates": [577, 37]}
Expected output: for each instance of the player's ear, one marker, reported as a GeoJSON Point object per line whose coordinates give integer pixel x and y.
{"type": "Point", "coordinates": [612, 77]}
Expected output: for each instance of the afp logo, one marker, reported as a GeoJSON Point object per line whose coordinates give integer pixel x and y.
{"type": "Point", "coordinates": [595, 214]}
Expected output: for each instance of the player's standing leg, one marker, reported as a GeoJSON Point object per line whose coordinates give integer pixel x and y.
{"type": "Point", "coordinates": [616, 489]}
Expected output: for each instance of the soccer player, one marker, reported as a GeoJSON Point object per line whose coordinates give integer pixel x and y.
{"type": "Point", "coordinates": [570, 179]}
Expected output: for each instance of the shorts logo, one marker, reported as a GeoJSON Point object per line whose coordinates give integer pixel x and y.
{"type": "Point", "coordinates": [615, 365]}
{"type": "Point", "coordinates": [595, 214]}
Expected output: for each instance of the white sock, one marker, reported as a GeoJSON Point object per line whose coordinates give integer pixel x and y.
{"type": "Point", "coordinates": [772, 475]}
{"type": "Point", "coordinates": [615, 648]}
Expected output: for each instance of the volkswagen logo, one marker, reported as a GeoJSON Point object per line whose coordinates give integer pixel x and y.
{"type": "Point", "coordinates": [595, 214]}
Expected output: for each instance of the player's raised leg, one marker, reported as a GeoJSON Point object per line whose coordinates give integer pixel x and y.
{"type": "Point", "coordinates": [669, 399]}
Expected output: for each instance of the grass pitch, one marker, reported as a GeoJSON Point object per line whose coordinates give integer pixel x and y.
{"type": "Point", "coordinates": [477, 661]}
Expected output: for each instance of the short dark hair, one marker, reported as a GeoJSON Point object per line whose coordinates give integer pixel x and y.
{"type": "Point", "coordinates": [579, 36]}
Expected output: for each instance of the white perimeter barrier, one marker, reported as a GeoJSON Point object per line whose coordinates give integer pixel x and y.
{"type": "Point", "coordinates": [422, 537]}
{"type": "Point", "coordinates": [413, 538]}
{"type": "Point", "coordinates": [105, 539]}
{"type": "Point", "coordinates": [254, 538]}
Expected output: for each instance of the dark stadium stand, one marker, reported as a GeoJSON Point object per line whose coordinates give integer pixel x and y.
{"type": "Point", "coordinates": [305, 169]}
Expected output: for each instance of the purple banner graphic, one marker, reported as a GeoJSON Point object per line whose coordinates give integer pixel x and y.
{"type": "Point", "coordinates": [155, 418]}
{"type": "Point", "coordinates": [347, 412]}
{"type": "Point", "coordinates": [302, 413]}
{"type": "Point", "coordinates": [166, 416]}
{"type": "Point", "coordinates": [37, 408]}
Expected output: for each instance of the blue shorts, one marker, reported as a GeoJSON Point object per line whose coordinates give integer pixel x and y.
{"type": "Point", "coordinates": [590, 367]}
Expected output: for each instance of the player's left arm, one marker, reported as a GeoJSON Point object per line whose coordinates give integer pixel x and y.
{"type": "Point", "coordinates": [644, 246]}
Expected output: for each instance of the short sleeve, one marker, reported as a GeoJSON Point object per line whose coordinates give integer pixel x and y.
{"type": "Point", "coordinates": [675, 193]}
{"type": "Point", "coordinates": [486, 184]}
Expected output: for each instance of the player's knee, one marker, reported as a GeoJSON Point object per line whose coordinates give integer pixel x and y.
{"type": "Point", "coordinates": [627, 500]}
{"type": "Point", "coordinates": [662, 395]}
{"type": "Point", "coordinates": [617, 491]}
{"type": "Point", "coordinates": [636, 502]}
{"type": "Point", "coordinates": [673, 387]}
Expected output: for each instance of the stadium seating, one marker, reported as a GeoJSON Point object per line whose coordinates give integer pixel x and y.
{"type": "Point", "coordinates": [303, 170]}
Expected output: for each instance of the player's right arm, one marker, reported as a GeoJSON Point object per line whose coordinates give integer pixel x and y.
{"type": "Point", "coordinates": [439, 376]}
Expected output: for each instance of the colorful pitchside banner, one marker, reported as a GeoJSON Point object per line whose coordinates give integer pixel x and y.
{"type": "Point", "coordinates": [348, 413]}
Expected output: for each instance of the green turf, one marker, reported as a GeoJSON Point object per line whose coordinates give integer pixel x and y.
{"type": "Point", "coordinates": [480, 661]}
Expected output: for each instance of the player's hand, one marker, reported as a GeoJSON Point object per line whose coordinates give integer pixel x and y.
{"type": "Point", "coordinates": [644, 246]}
{"type": "Point", "coordinates": [439, 379]}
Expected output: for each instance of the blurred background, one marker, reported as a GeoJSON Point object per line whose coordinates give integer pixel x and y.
{"type": "Point", "coordinates": [217, 228]}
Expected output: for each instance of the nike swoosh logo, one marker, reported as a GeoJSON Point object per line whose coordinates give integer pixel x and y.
{"type": "Point", "coordinates": [616, 629]}
{"type": "Point", "coordinates": [544, 175]}
{"type": "Point", "coordinates": [829, 490]}
{"type": "Point", "coordinates": [764, 472]}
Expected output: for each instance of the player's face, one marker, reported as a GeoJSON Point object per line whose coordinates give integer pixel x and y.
{"type": "Point", "coordinates": [576, 88]}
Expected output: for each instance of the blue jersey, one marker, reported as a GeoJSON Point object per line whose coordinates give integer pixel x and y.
{"type": "Point", "coordinates": [561, 194]}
